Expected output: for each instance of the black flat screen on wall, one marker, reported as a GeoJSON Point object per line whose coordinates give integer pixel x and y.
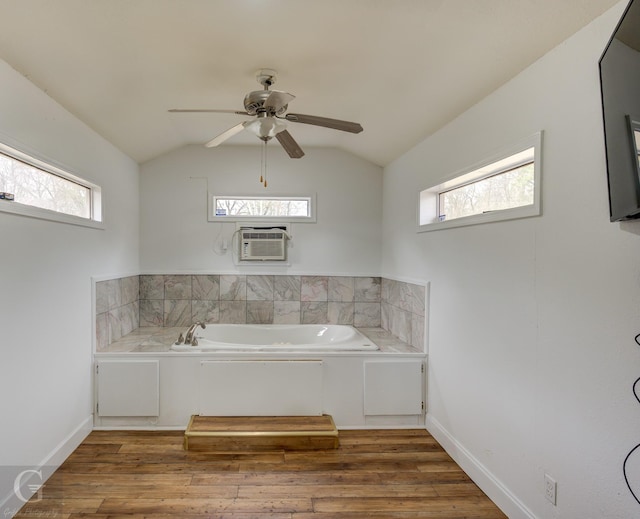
{"type": "Point", "coordinates": [620, 90]}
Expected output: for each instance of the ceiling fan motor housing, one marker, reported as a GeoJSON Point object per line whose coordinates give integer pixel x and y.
{"type": "Point", "coordinates": [254, 102]}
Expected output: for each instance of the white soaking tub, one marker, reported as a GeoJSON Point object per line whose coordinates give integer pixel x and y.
{"type": "Point", "coordinates": [278, 337]}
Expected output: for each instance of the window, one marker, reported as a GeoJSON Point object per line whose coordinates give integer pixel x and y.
{"type": "Point", "coordinates": [274, 208]}
{"type": "Point", "coordinates": [32, 187]}
{"type": "Point", "coordinates": [504, 187]}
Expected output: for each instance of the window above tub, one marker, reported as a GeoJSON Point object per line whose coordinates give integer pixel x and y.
{"type": "Point", "coordinates": [31, 185]}
{"type": "Point", "coordinates": [229, 208]}
{"type": "Point", "coordinates": [504, 186]}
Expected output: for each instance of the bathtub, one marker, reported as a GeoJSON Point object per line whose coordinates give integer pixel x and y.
{"type": "Point", "coordinates": [278, 337]}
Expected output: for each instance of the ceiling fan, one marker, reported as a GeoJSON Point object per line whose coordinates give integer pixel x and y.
{"type": "Point", "coordinates": [269, 108]}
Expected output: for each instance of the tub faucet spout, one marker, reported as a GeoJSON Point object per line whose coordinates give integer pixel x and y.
{"type": "Point", "coordinates": [190, 335]}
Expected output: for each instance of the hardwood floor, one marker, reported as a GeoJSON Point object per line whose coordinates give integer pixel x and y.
{"type": "Point", "coordinates": [373, 474]}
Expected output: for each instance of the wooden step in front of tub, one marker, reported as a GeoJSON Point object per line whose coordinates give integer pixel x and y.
{"type": "Point", "coordinates": [249, 433]}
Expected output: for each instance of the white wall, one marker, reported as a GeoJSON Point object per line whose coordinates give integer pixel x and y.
{"type": "Point", "coordinates": [531, 350]}
{"type": "Point", "coordinates": [176, 236]}
{"type": "Point", "coordinates": [45, 271]}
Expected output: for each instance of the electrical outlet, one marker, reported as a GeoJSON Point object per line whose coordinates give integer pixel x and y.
{"type": "Point", "coordinates": [550, 489]}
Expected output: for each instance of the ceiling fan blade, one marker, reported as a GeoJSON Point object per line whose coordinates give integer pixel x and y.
{"type": "Point", "coordinates": [289, 144]}
{"type": "Point", "coordinates": [278, 100]}
{"type": "Point", "coordinates": [336, 124]}
{"type": "Point", "coordinates": [226, 135]}
{"type": "Point", "coordinates": [204, 110]}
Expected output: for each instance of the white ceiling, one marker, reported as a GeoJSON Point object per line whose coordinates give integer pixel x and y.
{"type": "Point", "coordinates": [402, 68]}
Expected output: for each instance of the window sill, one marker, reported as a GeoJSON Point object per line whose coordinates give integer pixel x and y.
{"type": "Point", "coordinates": [495, 216]}
{"type": "Point", "coordinates": [46, 214]}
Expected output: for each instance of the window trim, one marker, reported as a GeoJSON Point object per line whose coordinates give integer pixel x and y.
{"type": "Point", "coordinates": [37, 160]}
{"type": "Point", "coordinates": [428, 198]}
{"type": "Point", "coordinates": [263, 219]}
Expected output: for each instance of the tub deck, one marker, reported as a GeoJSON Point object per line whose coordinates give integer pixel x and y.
{"type": "Point", "coordinates": [160, 340]}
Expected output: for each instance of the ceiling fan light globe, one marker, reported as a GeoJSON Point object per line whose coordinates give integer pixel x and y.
{"type": "Point", "coordinates": [266, 127]}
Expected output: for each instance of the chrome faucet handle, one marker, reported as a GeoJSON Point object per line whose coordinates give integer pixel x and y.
{"type": "Point", "coordinates": [191, 332]}
{"type": "Point", "coordinates": [180, 339]}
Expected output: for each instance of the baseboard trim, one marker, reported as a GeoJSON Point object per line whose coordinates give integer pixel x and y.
{"type": "Point", "coordinates": [488, 483]}
{"type": "Point", "coordinates": [11, 504]}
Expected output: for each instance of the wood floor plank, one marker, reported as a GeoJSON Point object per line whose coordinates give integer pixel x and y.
{"type": "Point", "coordinates": [386, 504]}
{"type": "Point", "coordinates": [288, 478]}
{"type": "Point", "coordinates": [342, 491]}
{"type": "Point", "coordinates": [203, 506]}
{"type": "Point", "coordinates": [373, 474]}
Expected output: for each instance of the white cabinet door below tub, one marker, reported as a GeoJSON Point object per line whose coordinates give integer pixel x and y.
{"type": "Point", "coordinates": [128, 388]}
{"type": "Point", "coordinates": [393, 387]}
{"type": "Point", "coordinates": [261, 388]}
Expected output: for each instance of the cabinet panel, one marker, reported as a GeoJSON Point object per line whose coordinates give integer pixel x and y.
{"type": "Point", "coordinates": [393, 387]}
{"type": "Point", "coordinates": [128, 388]}
{"type": "Point", "coordinates": [260, 388]}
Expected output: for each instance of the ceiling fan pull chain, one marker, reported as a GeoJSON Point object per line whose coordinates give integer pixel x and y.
{"type": "Point", "coordinates": [263, 164]}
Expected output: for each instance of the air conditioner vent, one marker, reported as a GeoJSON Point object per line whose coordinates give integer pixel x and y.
{"type": "Point", "coordinates": [263, 245]}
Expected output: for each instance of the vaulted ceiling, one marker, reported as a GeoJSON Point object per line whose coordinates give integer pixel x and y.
{"type": "Point", "coordinates": [401, 68]}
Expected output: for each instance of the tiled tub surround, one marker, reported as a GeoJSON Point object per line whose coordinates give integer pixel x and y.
{"type": "Point", "coordinates": [403, 311]}
{"type": "Point", "coordinates": [178, 300]}
{"type": "Point", "coordinates": [117, 309]}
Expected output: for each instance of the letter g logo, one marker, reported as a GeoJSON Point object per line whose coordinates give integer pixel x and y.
{"type": "Point", "coordinates": [33, 487]}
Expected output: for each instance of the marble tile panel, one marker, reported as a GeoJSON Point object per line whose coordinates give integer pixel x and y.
{"type": "Point", "coordinates": [417, 299]}
{"type": "Point", "coordinates": [367, 315]}
{"type": "Point", "coordinates": [114, 294]}
{"type": "Point", "coordinates": [151, 312]}
{"type": "Point", "coordinates": [102, 331]}
{"type": "Point", "coordinates": [314, 288]}
{"type": "Point", "coordinates": [115, 324]}
{"type": "Point", "coordinates": [286, 312]}
{"type": "Point", "coordinates": [417, 332]}
{"type": "Point", "coordinates": [401, 296]}
{"type": "Point", "coordinates": [385, 309]}
{"type": "Point", "coordinates": [152, 348]}
{"type": "Point", "coordinates": [205, 287]}
{"type": "Point", "coordinates": [177, 287]}
{"type": "Point", "coordinates": [129, 317]}
{"type": "Point", "coordinates": [130, 289]}
{"type": "Point", "coordinates": [385, 289]}
{"type": "Point", "coordinates": [260, 288]}
{"type": "Point", "coordinates": [260, 312]}
{"type": "Point", "coordinates": [151, 287]}
{"type": "Point", "coordinates": [177, 312]}
{"type": "Point", "coordinates": [233, 288]}
{"type": "Point", "coordinates": [341, 288]}
{"type": "Point", "coordinates": [368, 289]}
{"type": "Point", "coordinates": [102, 297]}
{"type": "Point", "coordinates": [286, 288]}
{"type": "Point", "coordinates": [233, 312]}
{"type": "Point", "coordinates": [340, 313]}
{"type": "Point", "coordinates": [166, 335]}
{"type": "Point", "coordinates": [314, 312]}
{"type": "Point", "coordinates": [205, 311]}
{"type": "Point", "coordinates": [400, 323]}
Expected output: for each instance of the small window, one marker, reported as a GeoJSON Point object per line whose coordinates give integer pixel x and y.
{"type": "Point", "coordinates": [35, 188]}
{"type": "Point", "coordinates": [505, 187]}
{"type": "Point", "coordinates": [274, 208]}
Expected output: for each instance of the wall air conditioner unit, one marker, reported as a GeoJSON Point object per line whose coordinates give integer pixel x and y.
{"type": "Point", "coordinates": [263, 244]}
